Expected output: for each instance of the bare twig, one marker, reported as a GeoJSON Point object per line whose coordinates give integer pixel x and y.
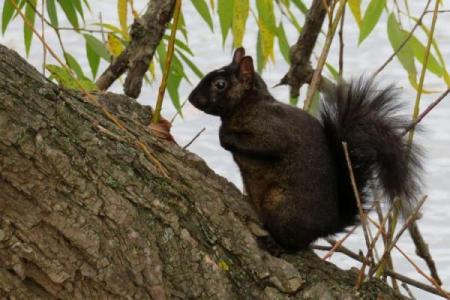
{"type": "Point", "coordinates": [419, 21]}
{"type": "Point", "coordinates": [413, 282]}
{"type": "Point", "coordinates": [362, 214]}
{"type": "Point", "coordinates": [338, 243]}
{"type": "Point", "coordinates": [323, 56]}
{"type": "Point", "coordinates": [194, 138]}
{"type": "Point", "coordinates": [426, 111]}
{"type": "Point", "coordinates": [341, 45]}
{"type": "Point", "coordinates": [442, 292]}
{"type": "Point", "coordinates": [392, 243]}
{"type": "Point", "coordinates": [424, 70]}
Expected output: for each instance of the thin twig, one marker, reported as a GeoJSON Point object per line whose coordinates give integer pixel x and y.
{"type": "Point", "coordinates": [443, 293]}
{"type": "Point", "coordinates": [419, 21]}
{"type": "Point", "coordinates": [338, 244]}
{"type": "Point", "coordinates": [341, 45]}
{"type": "Point", "coordinates": [194, 138]}
{"type": "Point", "coordinates": [392, 243]}
{"type": "Point", "coordinates": [323, 56]}
{"type": "Point", "coordinates": [170, 49]}
{"type": "Point", "coordinates": [424, 70]}
{"type": "Point", "coordinates": [426, 111]}
{"type": "Point", "coordinates": [362, 214]}
{"type": "Point", "coordinates": [413, 282]}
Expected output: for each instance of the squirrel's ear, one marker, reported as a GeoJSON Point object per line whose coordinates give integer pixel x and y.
{"type": "Point", "coordinates": [246, 69]}
{"type": "Point", "coordinates": [239, 53]}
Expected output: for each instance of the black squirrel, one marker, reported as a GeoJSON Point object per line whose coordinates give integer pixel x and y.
{"type": "Point", "coordinates": [293, 165]}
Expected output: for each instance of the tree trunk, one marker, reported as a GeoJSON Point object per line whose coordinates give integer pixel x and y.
{"type": "Point", "coordinates": [84, 214]}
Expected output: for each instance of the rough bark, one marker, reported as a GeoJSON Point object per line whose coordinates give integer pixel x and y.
{"type": "Point", "coordinates": [85, 215]}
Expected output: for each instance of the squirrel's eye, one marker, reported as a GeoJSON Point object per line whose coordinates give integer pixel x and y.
{"type": "Point", "coordinates": [220, 84]}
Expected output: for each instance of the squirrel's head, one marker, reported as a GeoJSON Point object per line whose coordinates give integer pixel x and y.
{"type": "Point", "coordinates": [224, 89]}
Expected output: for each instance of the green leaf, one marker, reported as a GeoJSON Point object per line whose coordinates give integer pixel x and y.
{"type": "Point", "coordinates": [419, 52]}
{"type": "Point", "coordinates": [203, 10]}
{"type": "Point", "coordinates": [52, 14]}
{"type": "Point", "coordinates": [93, 59]}
{"type": "Point", "coordinates": [301, 6]}
{"type": "Point", "coordinates": [283, 43]}
{"type": "Point", "coordinates": [266, 14]}
{"type": "Point", "coordinates": [78, 7]}
{"type": "Point", "coordinates": [259, 57]}
{"type": "Point", "coordinates": [397, 36]}
{"type": "Point", "coordinates": [70, 12]}
{"type": "Point", "coordinates": [65, 79]}
{"type": "Point", "coordinates": [7, 14]}
{"type": "Point", "coordinates": [174, 80]}
{"type": "Point", "coordinates": [74, 65]}
{"type": "Point", "coordinates": [332, 71]}
{"type": "Point", "coordinates": [355, 8]}
{"type": "Point", "coordinates": [97, 46]}
{"type": "Point", "coordinates": [190, 64]}
{"type": "Point", "coordinates": [109, 27]}
{"type": "Point", "coordinates": [180, 45]}
{"type": "Point", "coordinates": [370, 19]}
{"type": "Point", "coordinates": [30, 15]}
{"type": "Point", "coordinates": [241, 10]}
{"type": "Point", "coordinates": [225, 11]}
{"type": "Point", "coordinates": [122, 10]}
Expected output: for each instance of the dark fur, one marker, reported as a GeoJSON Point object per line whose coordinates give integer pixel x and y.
{"type": "Point", "coordinates": [292, 164]}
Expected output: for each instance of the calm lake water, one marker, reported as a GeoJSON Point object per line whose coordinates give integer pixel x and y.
{"type": "Point", "coordinates": [358, 60]}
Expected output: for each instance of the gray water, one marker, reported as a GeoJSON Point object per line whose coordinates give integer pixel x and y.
{"type": "Point", "coordinates": [358, 60]}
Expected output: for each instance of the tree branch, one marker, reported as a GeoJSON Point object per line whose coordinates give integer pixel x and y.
{"type": "Point", "coordinates": [301, 71]}
{"type": "Point", "coordinates": [146, 33]}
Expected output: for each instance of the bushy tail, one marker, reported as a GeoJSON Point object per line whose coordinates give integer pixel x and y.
{"type": "Point", "coordinates": [366, 117]}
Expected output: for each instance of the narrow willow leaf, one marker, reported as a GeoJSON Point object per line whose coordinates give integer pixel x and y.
{"type": "Point", "coordinates": [355, 8]}
{"type": "Point", "coordinates": [65, 79]}
{"type": "Point", "coordinates": [7, 14]}
{"type": "Point", "coordinates": [301, 6]}
{"type": "Point", "coordinates": [438, 52]}
{"type": "Point", "coordinates": [180, 45]}
{"type": "Point", "coordinates": [203, 10]}
{"type": "Point", "coordinates": [190, 64]}
{"type": "Point", "coordinates": [172, 87]}
{"type": "Point", "coordinates": [266, 14]}
{"type": "Point", "coordinates": [406, 55]}
{"type": "Point", "coordinates": [283, 43]}
{"type": "Point", "coordinates": [225, 11]}
{"type": "Point", "coordinates": [70, 12]}
{"type": "Point", "coordinates": [97, 46]}
{"type": "Point", "coordinates": [259, 56]}
{"type": "Point", "coordinates": [30, 15]}
{"type": "Point", "coordinates": [370, 19]}
{"type": "Point", "coordinates": [93, 59]}
{"type": "Point", "coordinates": [332, 71]}
{"type": "Point", "coordinates": [114, 45]}
{"type": "Point", "coordinates": [122, 10]}
{"type": "Point", "coordinates": [62, 76]}
{"type": "Point", "coordinates": [419, 52]}
{"type": "Point", "coordinates": [52, 14]}
{"type": "Point", "coordinates": [74, 65]}
{"type": "Point", "coordinates": [152, 70]}
{"type": "Point", "coordinates": [78, 7]}
{"type": "Point", "coordinates": [109, 27]}
{"type": "Point", "coordinates": [240, 12]}
{"type": "Point", "coordinates": [267, 40]}
{"type": "Point", "coordinates": [173, 82]}
{"type": "Point", "coordinates": [267, 28]}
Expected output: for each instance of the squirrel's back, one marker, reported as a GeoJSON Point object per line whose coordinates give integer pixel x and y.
{"type": "Point", "coordinates": [367, 118]}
